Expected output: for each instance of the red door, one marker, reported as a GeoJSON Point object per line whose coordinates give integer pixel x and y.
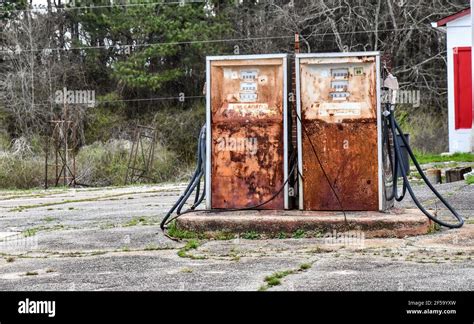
{"type": "Point", "coordinates": [462, 87]}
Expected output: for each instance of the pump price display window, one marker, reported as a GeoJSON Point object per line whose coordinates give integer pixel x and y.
{"type": "Point", "coordinates": [247, 160]}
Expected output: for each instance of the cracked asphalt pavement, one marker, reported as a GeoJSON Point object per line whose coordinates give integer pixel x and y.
{"type": "Point", "coordinates": [109, 239]}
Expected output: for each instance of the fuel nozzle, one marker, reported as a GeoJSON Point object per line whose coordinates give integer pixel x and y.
{"type": "Point", "coordinates": [392, 87]}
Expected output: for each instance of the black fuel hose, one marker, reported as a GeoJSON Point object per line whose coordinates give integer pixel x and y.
{"type": "Point", "coordinates": [226, 210]}
{"type": "Point", "coordinates": [395, 127]}
{"type": "Point", "coordinates": [195, 179]}
{"type": "Point", "coordinates": [393, 160]}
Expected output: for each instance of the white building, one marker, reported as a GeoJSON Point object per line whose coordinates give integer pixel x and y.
{"type": "Point", "coordinates": [460, 108]}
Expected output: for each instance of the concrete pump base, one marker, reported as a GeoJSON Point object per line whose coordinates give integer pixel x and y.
{"type": "Point", "coordinates": [269, 223]}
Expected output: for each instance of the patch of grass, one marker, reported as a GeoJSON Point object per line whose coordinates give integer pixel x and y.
{"type": "Point", "coordinates": [139, 221]}
{"type": "Point", "coordinates": [69, 201]}
{"type": "Point", "coordinates": [175, 232]}
{"type": "Point", "coordinates": [299, 234]}
{"type": "Point", "coordinates": [252, 235]}
{"type": "Point", "coordinates": [272, 281]}
{"type": "Point", "coordinates": [34, 230]}
{"type": "Point", "coordinates": [107, 226]}
{"type": "Point", "coordinates": [275, 278]}
{"type": "Point", "coordinates": [31, 273]}
{"type": "Point", "coordinates": [30, 232]}
{"type": "Point", "coordinates": [305, 266]}
{"type": "Point", "coordinates": [50, 270]}
{"type": "Point", "coordinates": [434, 228]}
{"type": "Point", "coordinates": [98, 253]}
{"type": "Point", "coordinates": [317, 250]}
{"type": "Point", "coordinates": [125, 249]}
{"type": "Point", "coordinates": [48, 219]}
{"type": "Point", "coordinates": [457, 157]}
{"type": "Point", "coordinates": [282, 236]}
{"type": "Point", "coordinates": [105, 163]}
{"type": "Point", "coordinates": [190, 245]}
{"type": "Point", "coordinates": [132, 222]}
{"type": "Point", "coordinates": [470, 180]}
{"type": "Point", "coordinates": [236, 258]}
{"type": "Point", "coordinates": [10, 259]}
{"type": "Point", "coordinates": [223, 236]}
{"type": "Point", "coordinates": [187, 270]}
{"type": "Point", "coordinates": [151, 247]}
{"type": "Point", "coordinates": [71, 208]}
{"type": "Point", "coordinates": [470, 221]}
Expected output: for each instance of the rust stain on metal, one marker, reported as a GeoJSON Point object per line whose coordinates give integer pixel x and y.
{"type": "Point", "coordinates": [247, 133]}
{"type": "Point", "coordinates": [338, 100]}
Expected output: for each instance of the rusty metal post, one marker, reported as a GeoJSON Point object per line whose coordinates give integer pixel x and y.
{"type": "Point", "coordinates": [140, 168]}
{"type": "Point", "coordinates": [65, 142]}
{"type": "Point", "coordinates": [46, 153]}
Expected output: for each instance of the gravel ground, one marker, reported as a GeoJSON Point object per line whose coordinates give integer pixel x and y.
{"type": "Point", "coordinates": [109, 239]}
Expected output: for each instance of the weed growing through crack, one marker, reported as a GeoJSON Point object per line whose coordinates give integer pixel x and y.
{"type": "Point", "coordinates": [31, 273]}
{"type": "Point", "coordinates": [252, 235]}
{"type": "Point", "coordinates": [190, 245]}
{"type": "Point", "coordinates": [299, 234]}
{"type": "Point", "coordinates": [275, 278]}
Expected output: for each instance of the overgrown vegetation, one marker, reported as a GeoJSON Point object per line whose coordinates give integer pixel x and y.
{"type": "Point", "coordinates": [146, 66]}
{"type": "Point", "coordinates": [457, 157]}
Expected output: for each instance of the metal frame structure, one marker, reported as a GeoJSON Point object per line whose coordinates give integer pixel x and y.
{"type": "Point", "coordinates": [381, 200]}
{"type": "Point", "coordinates": [134, 171]}
{"type": "Point", "coordinates": [209, 59]}
{"type": "Point", "coordinates": [64, 138]}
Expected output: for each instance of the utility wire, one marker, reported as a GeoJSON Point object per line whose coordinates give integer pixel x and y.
{"type": "Point", "coordinates": [92, 6]}
{"type": "Point", "coordinates": [209, 41]}
{"type": "Point", "coordinates": [184, 98]}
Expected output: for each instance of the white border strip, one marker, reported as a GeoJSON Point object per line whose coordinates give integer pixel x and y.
{"type": "Point", "coordinates": [299, 134]}
{"type": "Point", "coordinates": [337, 54]}
{"type": "Point", "coordinates": [208, 134]}
{"type": "Point", "coordinates": [286, 204]}
{"type": "Point", "coordinates": [246, 57]}
{"type": "Point", "coordinates": [379, 137]}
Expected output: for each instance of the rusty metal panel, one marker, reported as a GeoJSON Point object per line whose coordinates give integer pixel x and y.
{"type": "Point", "coordinates": [247, 109]}
{"type": "Point", "coordinates": [338, 106]}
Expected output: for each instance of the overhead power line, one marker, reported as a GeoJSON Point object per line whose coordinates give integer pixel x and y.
{"type": "Point", "coordinates": [209, 41]}
{"type": "Point", "coordinates": [92, 6]}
